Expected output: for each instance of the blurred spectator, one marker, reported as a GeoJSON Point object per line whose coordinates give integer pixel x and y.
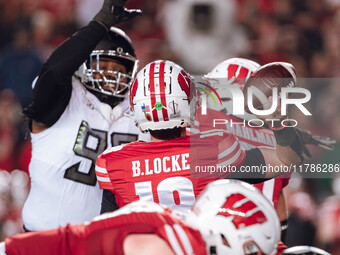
{"type": "Point", "coordinates": [302, 209]}
{"type": "Point", "coordinates": [24, 156]}
{"type": "Point", "coordinates": [19, 65]}
{"type": "Point", "coordinates": [329, 220]}
{"type": "Point", "coordinates": [42, 32]}
{"type": "Point", "coordinates": [13, 193]}
{"type": "Point", "coordinates": [203, 33]}
{"type": "Point", "coordinates": [9, 119]}
{"type": "Point", "coordinates": [85, 10]}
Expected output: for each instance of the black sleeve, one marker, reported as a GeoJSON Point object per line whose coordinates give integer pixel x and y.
{"type": "Point", "coordinates": [53, 88]}
{"type": "Point", "coordinates": [254, 157]}
{"type": "Point", "coordinates": [284, 230]}
{"type": "Point", "coordinates": [109, 203]}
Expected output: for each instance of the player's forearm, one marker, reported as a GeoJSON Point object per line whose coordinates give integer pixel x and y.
{"type": "Point", "coordinates": [276, 160]}
{"type": "Point", "coordinates": [287, 156]}
{"type": "Point", "coordinates": [281, 156]}
{"type": "Point", "coordinates": [53, 88]}
{"type": "Point", "coordinates": [288, 146]}
{"type": "Point", "coordinates": [288, 152]}
{"type": "Point", "coordinates": [67, 57]}
{"type": "Point", "coordinates": [254, 160]}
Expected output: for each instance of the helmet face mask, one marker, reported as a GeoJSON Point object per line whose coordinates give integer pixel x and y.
{"type": "Point", "coordinates": [110, 81]}
{"type": "Point", "coordinates": [110, 68]}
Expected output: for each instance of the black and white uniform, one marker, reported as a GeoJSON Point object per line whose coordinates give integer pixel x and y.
{"type": "Point", "coordinates": [64, 187]}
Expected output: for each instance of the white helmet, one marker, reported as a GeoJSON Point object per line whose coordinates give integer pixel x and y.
{"type": "Point", "coordinates": [235, 218]}
{"type": "Point", "coordinates": [233, 71]}
{"type": "Point", "coordinates": [163, 96]}
{"type": "Point", "coordinates": [226, 76]}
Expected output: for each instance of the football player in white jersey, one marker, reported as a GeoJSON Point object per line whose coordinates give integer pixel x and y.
{"type": "Point", "coordinates": [76, 115]}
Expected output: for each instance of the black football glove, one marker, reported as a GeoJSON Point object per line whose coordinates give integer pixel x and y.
{"type": "Point", "coordinates": [114, 12]}
{"type": "Point", "coordinates": [307, 137]}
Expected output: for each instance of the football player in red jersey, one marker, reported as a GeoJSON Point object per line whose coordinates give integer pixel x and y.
{"type": "Point", "coordinates": [230, 217]}
{"type": "Point", "coordinates": [233, 73]}
{"type": "Point", "coordinates": [141, 227]}
{"type": "Point", "coordinates": [163, 100]}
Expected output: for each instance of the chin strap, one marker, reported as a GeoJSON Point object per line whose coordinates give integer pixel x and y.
{"type": "Point", "coordinates": [119, 110]}
{"type": "Point", "coordinates": [115, 113]}
{"type": "Point", "coordinates": [107, 111]}
{"type": "Point", "coordinates": [106, 99]}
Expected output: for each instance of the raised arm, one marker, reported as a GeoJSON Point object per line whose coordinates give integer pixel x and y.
{"type": "Point", "coordinates": [52, 89]}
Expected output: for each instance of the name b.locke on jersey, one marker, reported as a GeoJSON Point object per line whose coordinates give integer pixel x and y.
{"type": "Point", "coordinates": [166, 164]}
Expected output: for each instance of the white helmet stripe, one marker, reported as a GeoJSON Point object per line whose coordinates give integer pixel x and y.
{"type": "Point", "coordinates": [152, 92]}
{"type": "Point", "coordinates": [162, 91]}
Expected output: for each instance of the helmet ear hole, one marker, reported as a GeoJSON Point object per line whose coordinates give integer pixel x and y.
{"type": "Point", "coordinates": [212, 250]}
{"type": "Point", "coordinates": [225, 241]}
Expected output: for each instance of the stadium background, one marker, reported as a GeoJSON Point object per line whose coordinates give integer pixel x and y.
{"type": "Point", "coordinates": [198, 35]}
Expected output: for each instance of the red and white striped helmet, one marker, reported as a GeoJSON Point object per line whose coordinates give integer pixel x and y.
{"type": "Point", "coordinates": [162, 96]}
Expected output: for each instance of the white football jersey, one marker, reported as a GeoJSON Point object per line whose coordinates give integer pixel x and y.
{"type": "Point", "coordinates": [64, 188]}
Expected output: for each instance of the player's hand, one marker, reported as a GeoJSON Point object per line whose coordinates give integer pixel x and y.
{"type": "Point", "coordinates": [114, 12]}
{"type": "Point", "coordinates": [307, 137]}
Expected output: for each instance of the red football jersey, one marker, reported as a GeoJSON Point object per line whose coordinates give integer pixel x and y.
{"type": "Point", "coordinates": [271, 189]}
{"type": "Point", "coordinates": [161, 172]}
{"type": "Point", "coordinates": [247, 131]}
{"type": "Point", "coordinates": [249, 137]}
{"type": "Point", "coordinates": [106, 233]}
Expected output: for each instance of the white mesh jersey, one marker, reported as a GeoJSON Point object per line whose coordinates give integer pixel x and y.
{"type": "Point", "coordinates": [64, 188]}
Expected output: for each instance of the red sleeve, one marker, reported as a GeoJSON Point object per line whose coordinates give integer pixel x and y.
{"type": "Point", "coordinates": [106, 233]}
{"type": "Point", "coordinates": [216, 146]}
{"type": "Point", "coordinates": [272, 188]}
{"type": "Point", "coordinates": [102, 174]}
{"type": "Point", "coordinates": [61, 241]}
{"type": "Point", "coordinates": [230, 151]}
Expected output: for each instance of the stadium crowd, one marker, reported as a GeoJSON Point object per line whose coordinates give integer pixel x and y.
{"type": "Point", "coordinates": [305, 33]}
